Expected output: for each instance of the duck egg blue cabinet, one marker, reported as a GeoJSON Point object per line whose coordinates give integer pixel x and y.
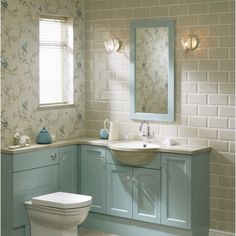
{"type": "Point", "coordinates": [69, 165]}
{"type": "Point", "coordinates": [133, 192]}
{"type": "Point", "coordinates": [176, 190]}
{"type": "Point", "coordinates": [168, 197]}
{"type": "Point", "coordinates": [185, 191]}
{"type": "Point", "coordinates": [29, 174]}
{"type": "Point", "coordinates": [119, 191]}
{"type": "Point", "coordinates": [146, 195]}
{"type": "Point", "coordinates": [93, 175]}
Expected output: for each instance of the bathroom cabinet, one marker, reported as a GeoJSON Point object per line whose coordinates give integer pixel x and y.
{"type": "Point", "coordinates": [185, 191]}
{"type": "Point", "coordinates": [93, 175]}
{"type": "Point", "coordinates": [138, 187]}
{"type": "Point", "coordinates": [176, 190]}
{"type": "Point", "coordinates": [120, 190]}
{"type": "Point", "coordinates": [25, 175]}
{"type": "Point", "coordinates": [119, 186]}
{"type": "Point", "coordinates": [169, 196]}
{"type": "Point", "coordinates": [29, 174]}
{"type": "Point", "coordinates": [133, 193]}
{"type": "Point", "coordinates": [69, 166]}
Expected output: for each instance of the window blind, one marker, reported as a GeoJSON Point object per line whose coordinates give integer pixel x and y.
{"type": "Point", "coordinates": [55, 61]}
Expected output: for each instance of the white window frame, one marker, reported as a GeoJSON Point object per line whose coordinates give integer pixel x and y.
{"type": "Point", "coordinates": [61, 76]}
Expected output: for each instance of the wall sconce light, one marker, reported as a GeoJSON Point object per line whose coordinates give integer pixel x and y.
{"type": "Point", "coordinates": [190, 42]}
{"type": "Point", "coordinates": [113, 45]}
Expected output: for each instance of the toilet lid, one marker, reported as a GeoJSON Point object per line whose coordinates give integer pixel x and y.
{"type": "Point", "coordinates": [63, 200]}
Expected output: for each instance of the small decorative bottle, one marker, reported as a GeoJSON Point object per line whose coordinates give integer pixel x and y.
{"type": "Point", "coordinates": [44, 137]}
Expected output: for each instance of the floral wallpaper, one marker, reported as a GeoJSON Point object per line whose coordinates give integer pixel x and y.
{"type": "Point", "coordinates": [152, 70]}
{"type": "Point", "coordinates": [19, 70]}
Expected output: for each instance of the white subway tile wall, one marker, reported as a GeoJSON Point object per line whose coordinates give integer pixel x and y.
{"type": "Point", "coordinates": [204, 79]}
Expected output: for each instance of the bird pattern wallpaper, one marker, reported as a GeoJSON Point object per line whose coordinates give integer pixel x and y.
{"type": "Point", "coordinates": [20, 70]}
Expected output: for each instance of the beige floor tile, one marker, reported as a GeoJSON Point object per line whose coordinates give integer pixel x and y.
{"type": "Point", "coordinates": [88, 232]}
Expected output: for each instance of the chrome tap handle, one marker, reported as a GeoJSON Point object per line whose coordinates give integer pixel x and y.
{"type": "Point", "coordinates": [141, 126]}
{"type": "Point", "coordinates": [148, 130]}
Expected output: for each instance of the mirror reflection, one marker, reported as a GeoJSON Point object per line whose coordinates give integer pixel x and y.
{"type": "Point", "coordinates": [152, 70]}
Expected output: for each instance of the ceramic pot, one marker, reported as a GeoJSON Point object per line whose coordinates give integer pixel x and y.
{"type": "Point", "coordinates": [44, 137]}
{"type": "Point", "coordinates": [103, 134]}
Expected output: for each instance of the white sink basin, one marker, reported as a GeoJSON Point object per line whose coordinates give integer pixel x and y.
{"type": "Point", "coordinates": [134, 152]}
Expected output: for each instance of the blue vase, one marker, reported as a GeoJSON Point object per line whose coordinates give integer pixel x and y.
{"type": "Point", "coordinates": [44, 137]}
{"type": "Point", "coordinates": [103, 134]}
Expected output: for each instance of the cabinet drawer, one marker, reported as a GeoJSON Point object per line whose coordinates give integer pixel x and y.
{"type": "Point", "coordinates": [29, 160]}
{"type": "Point", "coordinates": [32, 183]}
{"type": "Point", "coordinates": [155, 164]}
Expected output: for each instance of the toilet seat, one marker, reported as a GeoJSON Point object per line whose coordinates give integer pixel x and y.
{"type": "Point", "coordinates": [63, 200]}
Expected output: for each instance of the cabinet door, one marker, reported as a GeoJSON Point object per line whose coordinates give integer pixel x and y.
{"type": "Point", "coordinates": [146, 195]}
{"type": "Point", "coordinates": [119, 190]}
{"type": "Point", "coordinates": [176, 190]}
{"type": "Point", "coordinates": [93, 175]}
{"type": "Point", "coordinates": [32, 183]}
{"type": "Point", "coordinates": [69, 169]}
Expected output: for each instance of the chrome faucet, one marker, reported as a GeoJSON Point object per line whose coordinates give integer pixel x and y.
{"type": "Point", "coordinates": [148, 134]}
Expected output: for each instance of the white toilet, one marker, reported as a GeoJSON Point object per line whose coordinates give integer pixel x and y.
{"type": "Point", "coordinates": [57, 214]}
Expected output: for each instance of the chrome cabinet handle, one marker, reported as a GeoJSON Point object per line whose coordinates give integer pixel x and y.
{"type": "Point", "coordinates": [63, 158]}
{"type": "Point", "coordinates": [127, 178]}
{"type": "Point", "coordinates": [163, 166]}
{"type": "Point", "coordinates": [53, 156]}
{"type": "Point", "coordinates": [102, 158]}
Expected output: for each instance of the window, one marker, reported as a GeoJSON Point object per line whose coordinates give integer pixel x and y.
{"type": "Point", "coordinates": [55, 61]}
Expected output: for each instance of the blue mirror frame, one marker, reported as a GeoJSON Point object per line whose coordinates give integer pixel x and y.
{"type": "Point", "coordinates": [170, 115]}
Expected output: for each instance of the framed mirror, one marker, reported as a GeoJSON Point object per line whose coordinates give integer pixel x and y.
{"type": "Point", "coordinates": [152, 70]}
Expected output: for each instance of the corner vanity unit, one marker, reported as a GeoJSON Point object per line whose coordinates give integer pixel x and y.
{"type": "Point", "coordinates": [168, 195]}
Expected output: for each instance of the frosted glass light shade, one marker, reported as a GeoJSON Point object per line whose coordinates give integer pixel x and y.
{"type": "Point", "coordinates": [113, 45]}
{"type": "Point", "coordinates": [189, 43]}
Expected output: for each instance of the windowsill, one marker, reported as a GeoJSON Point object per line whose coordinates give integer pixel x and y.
{"type": "Point", "coordinates": [55, 106]}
